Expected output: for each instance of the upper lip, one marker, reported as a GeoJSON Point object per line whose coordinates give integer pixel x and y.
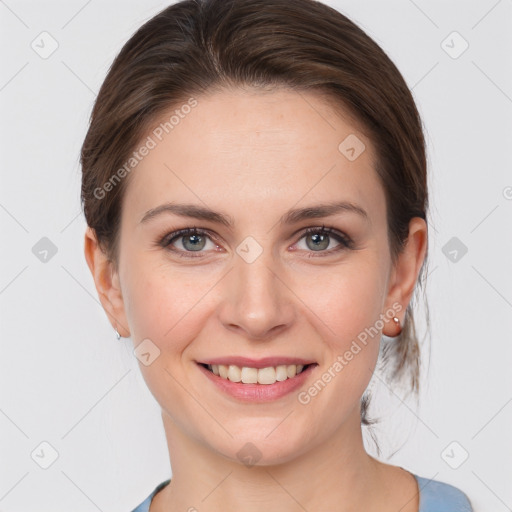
{"type": "Point", "coordinates": [257, 363]}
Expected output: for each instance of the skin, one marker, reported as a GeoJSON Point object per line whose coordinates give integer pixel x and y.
{"type": "Point", "coordinates": [254, 155]}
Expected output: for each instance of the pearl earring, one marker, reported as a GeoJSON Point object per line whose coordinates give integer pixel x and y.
{"type": "Point", "coordinates": [397, 323]}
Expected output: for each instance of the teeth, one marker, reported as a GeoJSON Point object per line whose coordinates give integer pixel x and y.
{"type": "Point", "coordinates": [234, 373]}
{"type": "Point", "coordinates": [282, 373]}
{"type": "Point", "coordinates": [246, 375]}
{"type": "Point", "coordinates": [268, 375]}
{"type": "Point", "coordinates": [249, 375]}
{"type": "Point", "coordinates": [223, 371]}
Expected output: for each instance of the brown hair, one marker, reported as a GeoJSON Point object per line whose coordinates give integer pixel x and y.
{"type": "Point", "coordinates": [197, 46]}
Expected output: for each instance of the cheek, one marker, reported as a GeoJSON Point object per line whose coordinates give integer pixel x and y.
{"type": "Point", "coordinates": [167, 304]}
{"type": "Point", "coordinates": [163, 303]}
{"type": "Point", "coordinates": [349, 300]}
{"type": "Point", "coordinates": [347, 309]}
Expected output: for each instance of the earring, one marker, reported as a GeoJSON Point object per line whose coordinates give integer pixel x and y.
{"type": "Point", "coordinates": [118, 336]}
{"type": "Point", "coordinates": [397, 323]}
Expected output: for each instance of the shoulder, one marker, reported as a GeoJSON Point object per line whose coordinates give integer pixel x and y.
{"type": "Point", "coordinates": [438, 496]}
{"type": "Point", "coordinates": [144, 506]}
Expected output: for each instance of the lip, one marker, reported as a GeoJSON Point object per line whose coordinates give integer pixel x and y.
{"type": "Point", "coordinates": [257, 363]}
{"type": "Point", "coordinates": [257, 392]}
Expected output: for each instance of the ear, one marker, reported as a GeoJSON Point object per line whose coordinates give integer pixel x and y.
{"type": "Point", "coordinates": [406, 270]}
{"type": "Point", "coordinates": [106, 280]}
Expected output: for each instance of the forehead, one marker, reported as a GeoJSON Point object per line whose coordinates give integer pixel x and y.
{"type": "Point", "coordinates": [245, 148]}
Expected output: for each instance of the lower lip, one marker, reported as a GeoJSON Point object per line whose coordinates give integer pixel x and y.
{"type": "Point", "coordinates": [258, 392]}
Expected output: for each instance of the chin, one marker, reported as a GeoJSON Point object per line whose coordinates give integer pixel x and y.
{"type": "Point", "coordinates": [262, 449]}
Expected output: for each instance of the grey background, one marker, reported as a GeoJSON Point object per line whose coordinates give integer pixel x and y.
{"type": "Point", "coordinates": [65, 379]}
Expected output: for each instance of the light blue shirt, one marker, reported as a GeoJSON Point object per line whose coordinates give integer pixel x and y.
{"type": "Point", "coordinates": [435, 496]}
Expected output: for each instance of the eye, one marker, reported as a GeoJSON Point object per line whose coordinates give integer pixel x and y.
{"type": "Point", "coordinates": [319, 239]}
{"type": "Point", "coordinates": [187, 241]}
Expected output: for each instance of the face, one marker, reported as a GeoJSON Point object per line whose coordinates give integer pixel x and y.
{"type": "Point", "coordinates": [258, 285]}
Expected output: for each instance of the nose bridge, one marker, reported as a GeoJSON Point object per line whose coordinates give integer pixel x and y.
{"type": "Point", "coordinates": [258, 300]}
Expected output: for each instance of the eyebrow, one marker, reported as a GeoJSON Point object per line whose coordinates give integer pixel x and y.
{"type": "Point", "coordinates": [290, 217]}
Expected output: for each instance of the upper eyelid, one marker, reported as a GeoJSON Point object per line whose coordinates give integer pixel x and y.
{"type": "Point", "coordinates": [174, 235]}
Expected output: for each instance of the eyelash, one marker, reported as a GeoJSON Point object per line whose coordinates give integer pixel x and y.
{"type": "Point", "coordinates": [167, 240]}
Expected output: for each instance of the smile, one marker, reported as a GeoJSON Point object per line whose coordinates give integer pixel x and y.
{"type": "Point", "coordinates": [249, 375]}
{"type": "Point", "coordinates": [257, 380]}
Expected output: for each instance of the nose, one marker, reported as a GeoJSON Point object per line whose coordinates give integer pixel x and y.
{"type": "Point", "coordinates": [256, 301]}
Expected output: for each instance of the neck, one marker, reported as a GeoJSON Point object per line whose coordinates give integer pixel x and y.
{"type": "Point", "coordinates": [335, 475]}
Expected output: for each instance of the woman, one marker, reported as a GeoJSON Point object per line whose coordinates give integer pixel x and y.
{"type": "Point", "coordinates": [254, 183]}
